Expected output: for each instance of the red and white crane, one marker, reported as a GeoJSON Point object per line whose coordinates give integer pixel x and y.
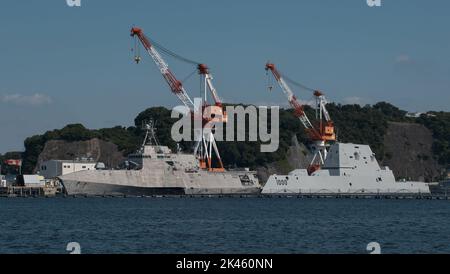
{"type": "Point", "coordinates": [320, 132]}
{"type": "Point", "coordinates": [205, 145]}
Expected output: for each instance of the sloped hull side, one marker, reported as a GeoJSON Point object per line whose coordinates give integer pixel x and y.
{"type": "Point", "coordinates": [137, 182]}
{"type": "Point", "coordinates": [224, 191]}
{"type": "Point", "coordinates": [278, 184]}
{"type": "Point", "coordinates": [99, 189]}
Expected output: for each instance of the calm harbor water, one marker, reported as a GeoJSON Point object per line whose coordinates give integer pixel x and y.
{"type": "Point", "coordinates": [223, 225]}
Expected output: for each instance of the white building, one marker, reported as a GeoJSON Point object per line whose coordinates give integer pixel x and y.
{"type": "Point", "coordinates": [413, 114]}
{"type": "Point", "coordinates": [53, 168]}
{"type": "Point", "coordinates": [31, 180]}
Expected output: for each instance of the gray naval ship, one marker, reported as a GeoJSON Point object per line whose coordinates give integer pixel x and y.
{"type": "Point", "coordinates": [155, 170]}
{"type": "Point", "coordinates": [348, 169]}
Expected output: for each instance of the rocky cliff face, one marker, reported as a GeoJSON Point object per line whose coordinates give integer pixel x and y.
{"type": "Point", "coordinates": [408, 152]}
{"type": "Point", "coordinates": [96, 149]}
{"type": "Point", "coordinates": [298, 156]}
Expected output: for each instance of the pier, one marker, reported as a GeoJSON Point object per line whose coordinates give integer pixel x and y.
{"type": "Point", "coordinates": [27, 191]}
{"type": "Point", "coordinates": [278, 196]}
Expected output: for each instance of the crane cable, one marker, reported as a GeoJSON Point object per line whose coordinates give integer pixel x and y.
{"type": "Point", "coordinates": [136, 50]}
{"type": "Point", "coordinates": [189, 76]}
{"type": "Point", "coordinates": [269, 82]}
{"type": "Point", "coordinates": [171, 53]}
{"type": "Point", "coordinates": [297, 83]}
{"type": "Point", "coordinates": [167, 51]}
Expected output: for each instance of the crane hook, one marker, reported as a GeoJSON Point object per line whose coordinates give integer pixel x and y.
{"type": "Point", "coordinates": [137, 51]}
{"type": "Point", "coordinates": [269, 82]}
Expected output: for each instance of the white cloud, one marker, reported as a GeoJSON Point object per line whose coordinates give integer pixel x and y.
{"type": "Point", "coordinates": [269, 104]}
{"type": "Point", "coordinates": [403, 58]}
{"type": "Point", "coordinates": [284, 104]}
{"type": "Point", "coordinates": [311, 103]}
{"type": "Point", "coordinates": [36, 99]}
{"type": "Point", "coordinates": [354, 100]}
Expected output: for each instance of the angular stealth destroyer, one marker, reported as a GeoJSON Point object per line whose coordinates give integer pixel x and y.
{"type": "Point", "coordinates": [339, 169]}
{"type": "Point", "coordinates": [348, 169]}
{"type": "Point", "coordinates": [155, 170]}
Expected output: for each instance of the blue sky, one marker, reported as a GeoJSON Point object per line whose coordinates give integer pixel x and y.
{"type": "Point", "coordinates": [61, 65]}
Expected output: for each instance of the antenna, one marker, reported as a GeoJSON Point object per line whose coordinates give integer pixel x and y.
{"type": "Point", "coordinates": [150, 133]}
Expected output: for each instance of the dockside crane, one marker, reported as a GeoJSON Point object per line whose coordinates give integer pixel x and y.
{"type": "Point", "coordinates": [321, 131]}
{"type": "Point", "coordinates": [205, 142]}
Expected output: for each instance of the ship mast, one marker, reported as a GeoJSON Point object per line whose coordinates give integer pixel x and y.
{"type": "Point", "coordinates": [150, 134]}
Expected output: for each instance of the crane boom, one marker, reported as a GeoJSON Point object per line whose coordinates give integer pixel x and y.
{"type": "Point", "coordinates": [204, 70]}
{"type": "Point", "coordinates": [205, 141]}
{"type": "Point", "coordinates": [324, 131]}
{"type": "Point", "coordinates": [175, 85]}
{"type": "Point", "coordinates": [321, 104]}
{"type": "Point", "coordinates": [295, 104]}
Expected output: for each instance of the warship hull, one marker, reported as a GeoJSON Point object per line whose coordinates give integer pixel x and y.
{"type": "Point", "coordinates": [364, 185]}
{"type": "Point", "coordinates": [154, 182]}
{"type": "Point", "coordinates": [349, 169]}
{"type": "Point", "coordinates": [155, 170]}
{"type": "Point", "coordinates": [100, 189]}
